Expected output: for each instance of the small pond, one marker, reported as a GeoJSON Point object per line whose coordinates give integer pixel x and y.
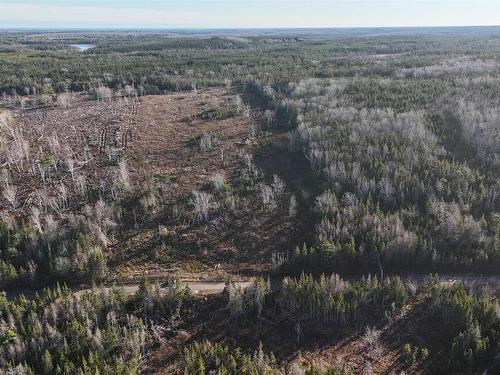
{"type": "Point", "coordinates": [82, 47]}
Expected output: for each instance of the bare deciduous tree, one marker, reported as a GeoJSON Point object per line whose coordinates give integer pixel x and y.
{"type": "Point", "coordinates": [103, 92]}
{"type": "Point", "coordinates": [218, 181]}
{"type": "Point", "coordinates": [207, 141]}
{"type": "Point", "coordinates": [65, 99]}
{"type": "Point", "coordinates": [35, 218]}
{"type": "Point", "coordinates": [123, 175]}
{"type": "Point", "coordinates": [292, 208]}
{"type": "Point", "coordinates": [201, 202]}
{"type": "Point", "coordinates": [10, 194]}
{"type": "Point", "coordinates": [372, 343]}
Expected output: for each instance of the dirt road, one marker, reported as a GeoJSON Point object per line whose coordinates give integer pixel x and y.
{"type": "Point", "coordinates": [197, 287]}
{"type": "Point", "coordinates": [217, 286]}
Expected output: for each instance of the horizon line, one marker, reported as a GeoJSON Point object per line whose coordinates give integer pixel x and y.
{"type": "Point", "coordinates": [140, 28]}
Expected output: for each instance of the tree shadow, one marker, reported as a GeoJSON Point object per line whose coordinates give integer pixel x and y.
{"type": "Point", "coordinates": [295, 171]}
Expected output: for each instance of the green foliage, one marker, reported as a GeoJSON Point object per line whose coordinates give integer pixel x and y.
{"type": "Point", "coordinates": [334, 302]}
{"type": "Point", "coordinates": [472, 323]}
{"type": "Point", "coordinates": [102, 331]}
{"type": "Point", "coordinates": [73, 253]}
{"type": "Point", "coordinates": [413, 354]}
{"type": "Point", "coordinates": [247, 304]}
{"type": "Point", "coordinates": [203, 358]}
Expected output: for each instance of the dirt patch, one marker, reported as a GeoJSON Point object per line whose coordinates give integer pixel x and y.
{"type": "Point", "coordinates": [167, 129]}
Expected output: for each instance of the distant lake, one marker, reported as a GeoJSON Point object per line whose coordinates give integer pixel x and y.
{"type": "Point", "coordinates": [83, 47]}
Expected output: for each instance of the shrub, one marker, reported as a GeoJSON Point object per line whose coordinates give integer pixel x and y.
{"type": "Point", "coordinates": [219, 184]}
{"type": "Point", "coordinates": [207, 141]}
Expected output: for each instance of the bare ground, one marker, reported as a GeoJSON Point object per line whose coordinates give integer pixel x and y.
{"type": "Point", "coordinates": [238, 242]}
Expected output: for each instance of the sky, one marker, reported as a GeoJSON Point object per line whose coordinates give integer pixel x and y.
{"type": "Point", "coordinates": [245, 13]}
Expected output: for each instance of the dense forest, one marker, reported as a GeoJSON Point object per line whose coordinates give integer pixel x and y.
{"type": "Point", "coordinates": [333, 168]}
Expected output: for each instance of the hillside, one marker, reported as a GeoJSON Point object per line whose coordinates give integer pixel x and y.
{"type": "Point", "coordinates": [265, 203]}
